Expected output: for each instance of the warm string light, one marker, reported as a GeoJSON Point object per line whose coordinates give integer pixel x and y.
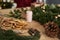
{"type": "Point", "coordinates": [8, 0]}
{"type": "Point", "coordinates": [56, 17]}
{"type": "Point", "coordinates": [4, 0]}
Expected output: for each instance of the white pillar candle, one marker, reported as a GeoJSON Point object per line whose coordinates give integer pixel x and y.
{"type": "Point", "coordinates": [4, 0]}
{"type": "Point", "coordinates": [8, 0]}
{"type": "Point", "coordinates": [29, 16]}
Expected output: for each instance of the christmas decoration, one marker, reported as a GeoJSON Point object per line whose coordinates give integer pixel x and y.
{"type": "Point", "coordinates": [12, 23]}
{"type": "Point", "coordinates": [5, 4]}
{"type": "Point", "coordinates": [43, 15]}
{"type": "Point", "coordinates": [4, 0]}
{"type": "Point", "coordinates": [39, 15]}
{"type": "Point", "coordinates": [11, 35]}
{"type": "Point", "coordinates": [8, 0]}
{"type": "Point", "coordinates": [50, 16]}
{"type": "Point", "coordinates": [33, 31]}
{"type": "Point", "coordinates": [29, 14]}
{"type": "Point", "coordinates": [51, 29]}
{"type": "Point", "coordinates": [15, 13]}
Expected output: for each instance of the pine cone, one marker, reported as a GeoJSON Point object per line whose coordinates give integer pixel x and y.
{"type": "Point", "coordinates": [51, 29]}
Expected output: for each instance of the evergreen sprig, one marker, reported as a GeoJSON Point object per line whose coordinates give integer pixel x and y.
{"type": "Point", "coordinates": [10, 35]}
{"type": "Point", "coordinates": [49, 15]}
{"type": "Point", "coordinates": [15, 14]}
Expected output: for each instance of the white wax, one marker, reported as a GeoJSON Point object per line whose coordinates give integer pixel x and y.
{"type": "Point", "coordinates": [4, 0]}
{"type": "Point", "coordinates": [8, 0]}
{"type": "Point", "coordinates": [29, 16]}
